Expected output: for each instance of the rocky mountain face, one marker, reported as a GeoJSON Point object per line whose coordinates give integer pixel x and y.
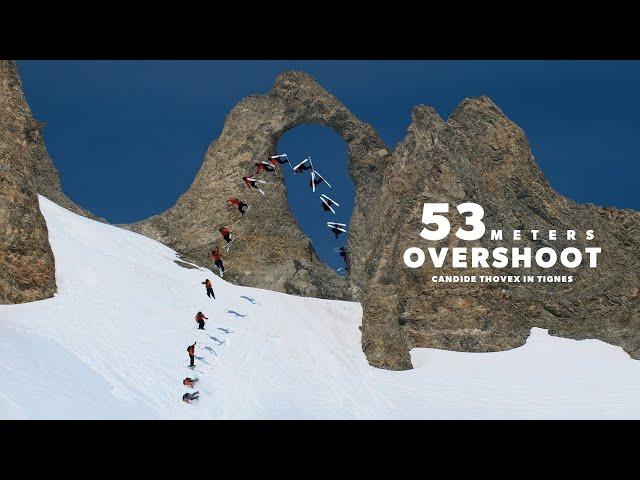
{"type": "Point", "coordinates": [270, 250]}
{"type": "Point", "coordinates": [27, 268]}
{"type": "Point", "coordinates": [477, 155]}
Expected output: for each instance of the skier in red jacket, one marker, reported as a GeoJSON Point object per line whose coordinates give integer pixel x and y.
{"type": "Point", "coordinates": [190, 382]}
{"type": "Point", "coordinates": [242, 207]}
{"type": "Point", "coordinates": [226, 234]}
{"type": "Point", "coordinates": [278, 159]}
{"type": "Point", "coordinates": [217, 260]}
{"type": "Point", "coordinates": [252, 183]}
{"type": "Point", "coordinates": [263, 167]}
{"type": "Point", "coordinates": [209, 287]}
{"type": "Point", "coordinates": [191, 350]}
{"type": "Point", "coordinates": [200, 318]}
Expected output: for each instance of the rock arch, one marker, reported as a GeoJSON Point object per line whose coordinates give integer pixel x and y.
{"type": "Point", "coordinates": [273, 253]}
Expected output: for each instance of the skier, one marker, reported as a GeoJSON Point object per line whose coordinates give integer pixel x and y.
{"type": "Point", "coordinates": [190, 397]}
{"type": "Point", "coordinates": [314, 182]}
{"type": "Point", "coordinates": [328, 203]}
{"type": "Point", "coordinates": [190, 382]}
{"type": "Point", "coordinates": [252, 182]}
{"type": "Point", "coordinates": [217, 260]}
{"type": "Point", "coordinates": [303, 166]}
{"type": "Point", "coordinates": [242, 207]}
{"type": "Point", "coordinates": [263, 167]}
{"type": "Point", "coordinates": [200, 318]}
{"type": "Point", "coordinates": [345, 256]}
{"type": "Point", "coordinates": [317, 179]}
{"type": "Point", "coordinates": [226, 234]}
{"type": "Point", "coordinates": [336, 228]}
{"type": "Point", "coordinates": [278, 159]}
{"type": "Point", "coordinates": [191, 350]}
{"type": "Point", "coordinates": [207, 285]}
{"type": "Point", "coordinates": [336, 231]}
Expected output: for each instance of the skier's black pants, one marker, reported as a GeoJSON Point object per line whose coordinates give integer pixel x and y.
{"type": "Point", "coordinates": [210, 293]}
{"type": "Point", "coordinates": [219, 265]}
{"type": "Point", "coordinates": [201, 323]}
{"type": "Point", "coordinates": [192, 358]}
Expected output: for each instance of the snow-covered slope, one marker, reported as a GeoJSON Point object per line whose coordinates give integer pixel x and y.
{"type": "Point", "coordinates": [112, 344]}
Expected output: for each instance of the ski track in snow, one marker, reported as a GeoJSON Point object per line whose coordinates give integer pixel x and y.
{"type": "Point", "coordinates": [112, 344]}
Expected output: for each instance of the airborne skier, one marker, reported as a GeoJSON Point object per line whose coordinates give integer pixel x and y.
{"type": "Point", "coordinates": [190, 382]}
{"type": "Point", "coordinates": [317, 179]}
{"type": "Point", "coordinates": [252, 182]}
{"type": "Point", "coordinates": [263, 167]}
{"type": "Point", "coordinates": [226, 234]}
{"type": "Point", "coordinates": [336, 228]}
{"type": "Point", "coordinates": [328, 203]}
{"type": "Point", "coordinates": [242, 207]}
{"type": "Point", "coordinates": [344, 253]}
{"type": "Point", "coordinates": [303, 166]}
{"type": "Point", "coordinates": [279, 159]}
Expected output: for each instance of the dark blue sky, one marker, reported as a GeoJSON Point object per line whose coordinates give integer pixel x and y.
{"type": "Point", "coordinates": [129, 136]}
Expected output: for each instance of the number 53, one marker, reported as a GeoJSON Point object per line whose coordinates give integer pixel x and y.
{"type": "Point", "coordinates": [430, 215]}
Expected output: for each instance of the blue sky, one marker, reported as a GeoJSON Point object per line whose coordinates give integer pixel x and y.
{"type": "Point", "coordinates": [129, 136]}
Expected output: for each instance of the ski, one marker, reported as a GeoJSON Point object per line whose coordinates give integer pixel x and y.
{"type": "Point", "coordinates": [267, 164]}
{"type": "Point", "coordinates": [301, 163]}
{"type": "Point", "coordinates": [325, 180]}
{"type": "Point", "coordinates": [337, 228]}
{"type": "Point", "coordinates": [336, 223]}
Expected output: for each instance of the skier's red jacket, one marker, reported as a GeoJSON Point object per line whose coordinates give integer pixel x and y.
{"type": "Point", "coordinates": [200, 316]}
{"type": "Point", "coordinates": [191, 350]}
{"type": "Point", "coordinates": [207, 283]}
{"type": "Point", "coordinates": [225, 231]}
{"type": "Point", "coordinates": [216, 255]}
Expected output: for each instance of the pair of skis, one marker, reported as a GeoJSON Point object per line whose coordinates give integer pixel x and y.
{"type": "Point", "coordinates": [251, 179]}
{"type": "Point", "coordinates": [337, 226]}
{"type": "Point", "coordinates": [314, 173]}
{"type": "Point", "coordinates": [328, 202]}
{"type": "Point", "coordinates": [267, 166]}
{"type": "Point", "coordinates": [283, 155]}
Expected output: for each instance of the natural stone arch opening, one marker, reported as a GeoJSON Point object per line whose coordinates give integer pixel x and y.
{"type": "Point", "coordinates": [329, 154]}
